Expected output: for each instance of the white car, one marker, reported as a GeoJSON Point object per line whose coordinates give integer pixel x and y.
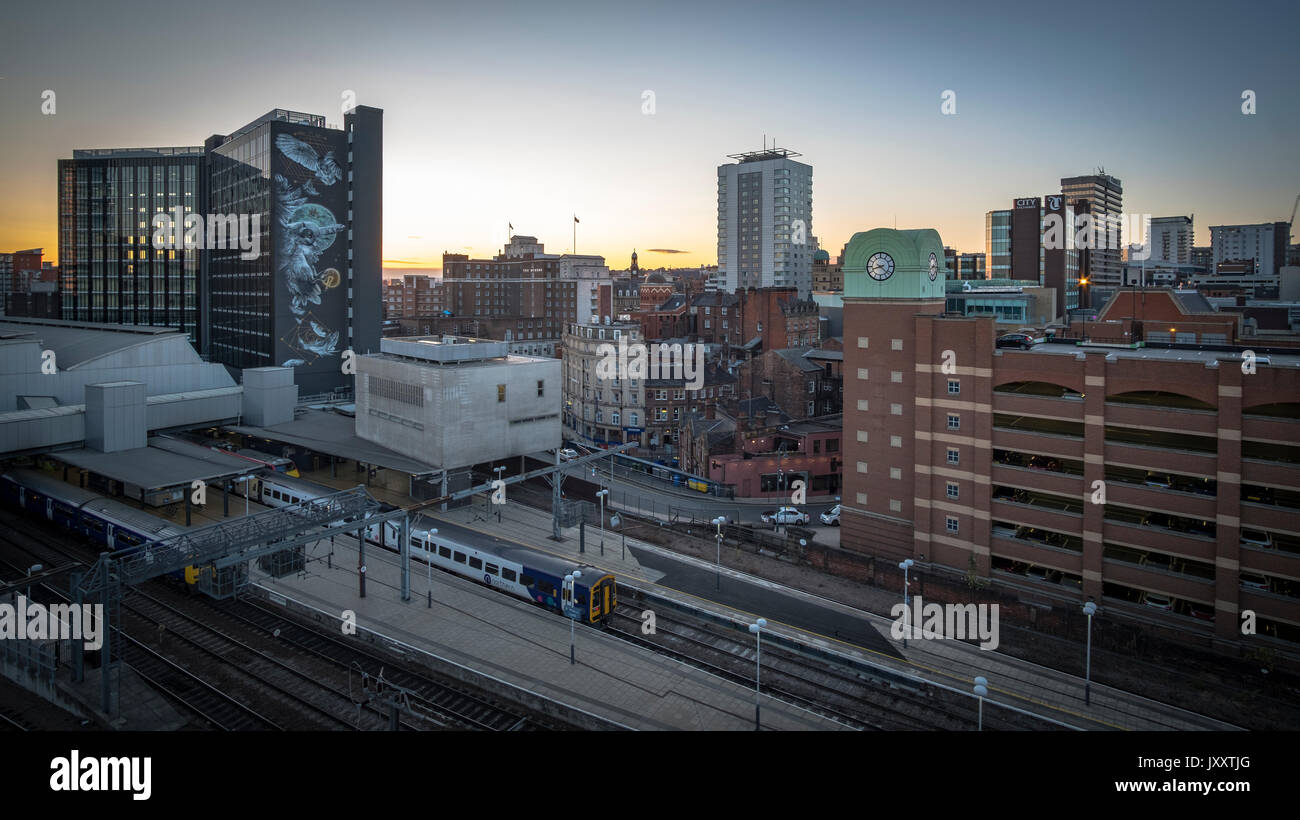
{"type": "Point", "coordinates": [785, 515]}
{"type": "Point", "coordinates": [831, 517]}
{"type": "Point", "coordinates": [567, 454]}
{"type": "Point", "coordinates": [1157, 601]}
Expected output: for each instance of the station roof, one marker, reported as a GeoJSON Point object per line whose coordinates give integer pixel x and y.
{"type": "Point", "coordinates": [150, 467]}
{"type": "Point", "coordinates": [77, 342]}
{"type": "Point", "coordinates": [336, 434]}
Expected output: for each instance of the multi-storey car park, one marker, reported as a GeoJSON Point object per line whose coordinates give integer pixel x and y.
{"type": "Point", "coordinates": [1161, 481]}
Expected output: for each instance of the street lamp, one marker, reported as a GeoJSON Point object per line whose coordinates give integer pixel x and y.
{"type": "Point", "coordinates": [1089, 609]}
{"type": "Point", "coordinates": [244, 479]}
{"type": "Point", "coordinates": [616, 520]}
{"type": "Point", "coordinates": [907, 626]}
{"type": "Point", "coordinates": [572, 608]}
{"type": "Point", "coordinates": [718, 522]}
{"type": "Point", "coordinates": [601, 495]}
{"type": "Point", "coordinates": [498, 471]}
{"type": "Point", "coordinates": [34, 568]}
{"type": "Point", "coordinates": [981, 690]}
{"type": "Point", "coordinates": [428, 560]}
{"type": "Point", "coordinates": [757, 629]}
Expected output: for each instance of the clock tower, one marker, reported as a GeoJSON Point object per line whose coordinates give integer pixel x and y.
{"type": "Point", "coordinates": [892, 279]}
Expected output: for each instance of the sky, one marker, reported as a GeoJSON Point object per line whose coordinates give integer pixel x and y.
{"type": "Point", "coordinates": [529, 113]}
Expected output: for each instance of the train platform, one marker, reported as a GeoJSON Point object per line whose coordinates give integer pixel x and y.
{"type": "Point", "coordinates": [524, 646]}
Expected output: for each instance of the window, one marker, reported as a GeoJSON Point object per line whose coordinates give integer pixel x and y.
{"type": "Point", "coordinates": [490, 569]}
{"type": "Point", "coordinates": [954, 455]}
{"type": "Point", "coordinates": [896, 344]}
{"type": "Point", "coordinates": [527, 580]}
{"type": "Point", "coordinates": [459, 557]}
{"type": "Point", "coordinates": [953, 491]}
{"type": "Point", "coordinates": [952, 525]}
{"type": "Point", "coordinates": [863, 405]}
{"type": "Point", "coordinates": [954, 387]}
{"type": "Point", "coordinates": [895, 409]}
{"type": "Point", "coordinates": [541, 387]}
{"type": "Point", "coordinates": [861, 498]}
{"type": "Point", "coordinates": [501, 392]}
{"type": "Point", "coordinates": [895, 505]}
{"type": "Point", "coordinates": [954, 421]}
{"type": "Point", "coordinates": [832, 445]}
{"type": "Point", "coordinates": [508, 574]}
{"type": "Point", "coordinates": [475, 563]}
{"type": "Point", "coordinates": [812, 408]}
{"type": "Point", "coordinates": [896, 473]}
{"type": "Point", "coordinates": [862, 373]}
{"type": "Point", "coordinates": [545, 587]}
{"type": "Point", "coordinates": [812, 386]}
{"type": "Point", "coordinates": [444, 552]}
{"type": "Point", "coordinates": [896, 376]}
{"type": "Point", "coordinates": [862, 466]}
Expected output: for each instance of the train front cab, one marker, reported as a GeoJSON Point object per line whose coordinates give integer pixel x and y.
{"type": "Point", "coordinates": [602, 598]}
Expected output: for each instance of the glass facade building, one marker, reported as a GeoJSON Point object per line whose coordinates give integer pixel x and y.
{"type": "Point", "coordinates": [109, 269]}
{"type": "Point", "coordinates": [997, 244]}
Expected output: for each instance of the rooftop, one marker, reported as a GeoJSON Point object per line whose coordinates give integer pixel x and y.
{"type": "Point", "coordinates": [75, 343]}
{"type": "Point", "coordinates": [1160, 353]}
{"type": "Point", "coordinates": [336, 434]}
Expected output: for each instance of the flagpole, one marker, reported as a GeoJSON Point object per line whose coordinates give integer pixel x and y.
{"type": "Point", "coordinates": [575, 234]}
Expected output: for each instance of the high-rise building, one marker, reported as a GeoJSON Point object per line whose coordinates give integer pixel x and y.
{"type": "Point", "coordinates": [314, 287]}
{"type": "Point", "coordinates": [110, 270]}
{"type": "Point", "coordinates": [1104, 198]}
{"type": "Point", "coordinates": [1264, 245]}
{"type": "Point", "coordinates": [765, 236]}
{"type": "Point", "coordinates": [997, 244]}
{"type": "Point", "coordinates": [1170, 239]}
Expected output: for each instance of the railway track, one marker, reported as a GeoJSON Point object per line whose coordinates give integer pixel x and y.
{"type": "Point", "coordinates": [321, 684]}
{"type": "Point", "coordinates": [847, 695]}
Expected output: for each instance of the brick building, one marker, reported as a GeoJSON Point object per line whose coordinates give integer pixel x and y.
{"type": "Point", "coordinates": [804, 381]}
{"type": "Point", "coordinates": [1161, 482]}
{"type": "Point", "coordinates": [764, 460]}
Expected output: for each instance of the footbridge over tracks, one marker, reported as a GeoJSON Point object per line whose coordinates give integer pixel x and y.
{"type": "Point", "coordinates": [219, 554]}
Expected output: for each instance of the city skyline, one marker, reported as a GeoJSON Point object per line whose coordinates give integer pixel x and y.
{"type": "Point", "coordinates": [477, 138]}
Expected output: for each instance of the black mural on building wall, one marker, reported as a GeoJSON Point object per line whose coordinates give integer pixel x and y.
{"type": "Point", "coordinates": [308, 257]}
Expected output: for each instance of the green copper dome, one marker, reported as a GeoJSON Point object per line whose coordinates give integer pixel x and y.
{"type": "Point", "coordinates": [902, 268]}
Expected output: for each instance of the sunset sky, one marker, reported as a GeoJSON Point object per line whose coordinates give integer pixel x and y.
{"type": "Point", "coordinates": [528, 113]}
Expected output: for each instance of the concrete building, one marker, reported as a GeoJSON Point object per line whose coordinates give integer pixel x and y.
{"type": "Point", "coordinates": [1012, 304]}
{"type": "Point", "coordinates": [1263, 245]}
{"type": "Point", "coordinates": [457, 402]}
{"type": "Point", "coordinates": [765, 224]}
{"type": "Point", "coordinates": [51, 372]}
{"type": "Point", "coordinates": [1170, 240]}
{"type": "Point", "coordinates": [984, 464]}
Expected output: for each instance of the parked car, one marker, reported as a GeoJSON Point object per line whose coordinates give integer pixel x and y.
{"type": "Point", "coordinates": [831, 517]}
{"type": "Point", "coordinates": [567, 454]}
{"type": "Point", "coordinates": [1249, 580]}
{"type": "Point", "coordinates": [1256, 538]}
{"type": "Point", "coordinates": [785, 515]}
{"type": "Point", "coordinates": [1154, 601]}
{"type": "Point", "coordinates": [1201, 613]}
{"type": "Point", "coordinates": [1021, 340]}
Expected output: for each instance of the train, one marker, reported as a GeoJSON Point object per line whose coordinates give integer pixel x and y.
{"type": "Point", "coordinates": [505, 566]}
{"type": "Point", "coordinates": [108, 523]}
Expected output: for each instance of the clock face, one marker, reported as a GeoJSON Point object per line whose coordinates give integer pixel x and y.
{"type": "Point", "coordinates": [934, 267]}
{"type": "Point", "coordinates": [880, 266]}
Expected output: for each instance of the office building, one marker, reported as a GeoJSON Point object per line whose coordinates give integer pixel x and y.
{"type": "Point", "coordinates": [997, 244]}
{"type": "Point", "coordinates": [982, 464]}
{"type": "Point", "coordinates": [1263, 246]}
{"type": "Point", "coordinates": [1102, 196]}
{"type": "Point", "coordinates": [110, 271]}
{"type": "Point", "coordinates": [313, 289]}
{"type": "Point", "coordinates": [1170, 239]}
{"type": "Point", "coordinates": [765, 229]}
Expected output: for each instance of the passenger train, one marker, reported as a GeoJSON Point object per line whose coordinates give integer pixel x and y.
{"type": "Point", "coordinates": [109, 523]}
{"type": "Point", "coordinates": [503, 565]}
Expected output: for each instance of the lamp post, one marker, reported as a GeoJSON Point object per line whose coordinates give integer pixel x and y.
{"type": "Point", "coordinates": [617, 520]}
{"type": "Point", "coordinates": [1089, 609]}
{"type": "Point", "coordinates": [907, 624]}
{"type": "Point", "coordinates": [34, 568]}
{"type": "Point", "coordinates": [498, 471]}
{"type": "Point", "coordinates": [757, 629]}
{"type": "Point", "coordinates": [428, 560]}
{"type": "Point", "coordinates": [244, 479]}
{"type": "Point", "coordinates": [981, 690]}
{"type": "Point", "coordinates": [601, 495]}
{"type": "Point", "coordinates": [718, 522]}
{"type": "Point", "coordinates": [572, 607]}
